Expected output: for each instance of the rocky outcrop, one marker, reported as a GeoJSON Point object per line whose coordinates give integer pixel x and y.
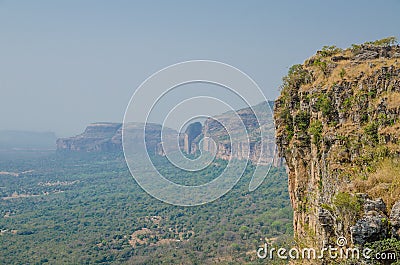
{"type": "Point", "coordinates": [337, 116]}
{"type": "Point", "coordinates": [373, 225]}
{"type": "Point", "coordinates": [376, 224]}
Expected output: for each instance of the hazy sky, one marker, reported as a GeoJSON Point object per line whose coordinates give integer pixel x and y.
{"type": "Point", "coordinates": [64, 64]}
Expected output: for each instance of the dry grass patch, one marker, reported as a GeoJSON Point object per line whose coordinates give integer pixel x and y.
{"type": "Point", "coordinates": [351, 71]}
{"type": "Point", "coordinates": [383, 183]}
{"type": "Point", "coordinates": [394, 100]}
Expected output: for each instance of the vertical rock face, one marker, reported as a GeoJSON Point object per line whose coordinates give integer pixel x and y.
{"type": "Point", "coordinates": [217, 139]}
{"type": "Point", "coordinates": [192, 131]}
{"type": "Point", "coordinates": [337, 115]}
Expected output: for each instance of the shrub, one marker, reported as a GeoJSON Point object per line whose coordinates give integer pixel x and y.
{"type": "Point", "coordinates": [342, 73]}
{"type": "Point", "coordinates": [324, 104]}
{"type": "Point", "coordinates": [347, 103]}
{"type": "Point", "coordinates": [316, 130]}
{"type": "Point", "coordinates": [322, 65]}
{"type": "Point", "coordinates": [288, 120]}
{"type": "Point", "coordinates": [329, 51]}
{"type": "Point", "coordinates": [302, 121]}
{"type": "Point", "coordinates": [348, 206]}
{"type": "Point", "coordinates": [371, 130]}
{"type": "Point", "coordinates": [383, 42]}
{"type": "Point", "coordinates": [355, 48]}
{"type": "Point", "coordinates": [326, 207]}
{"type": "Point", "coordinates": [346, 202]}
{"type": "Point", "coordinates": [387, 246]}
{"type": "Point", "coordinates": [296, 77]}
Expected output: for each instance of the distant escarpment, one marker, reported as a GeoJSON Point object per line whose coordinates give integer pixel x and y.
{"type": "Point", "coordinates": [338, 128]}
{"type": "Point", "coordinates": [246, 145]}
{"type": "Point", "coordinates": [210, 137]}
{"type": "Point", "coordinates": [107, 137]}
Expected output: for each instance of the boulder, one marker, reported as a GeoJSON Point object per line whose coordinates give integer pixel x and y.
{"type": "Point", "coordinates": [371, 227]}
{"type": "Point", "coordinates": [366, 55]}
{"type": "Point", "coordinates": [395, 220]}
{"type": "Point", "coordinates": [377, 205]}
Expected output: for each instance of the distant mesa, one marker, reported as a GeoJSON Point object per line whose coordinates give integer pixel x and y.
{"type": "Point", "coordinates": [103, 136]}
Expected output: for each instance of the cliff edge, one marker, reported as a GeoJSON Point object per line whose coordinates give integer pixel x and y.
{"type": "Point", "coordinates": [338, 127]}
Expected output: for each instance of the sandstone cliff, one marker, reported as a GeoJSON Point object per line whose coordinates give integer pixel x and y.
{"type": "Point", "coordinates": [338, 128]}
{"type": "Point", "coordinates": [107, 137]}
{"type": "Point", "coordinates": [213, 129]}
